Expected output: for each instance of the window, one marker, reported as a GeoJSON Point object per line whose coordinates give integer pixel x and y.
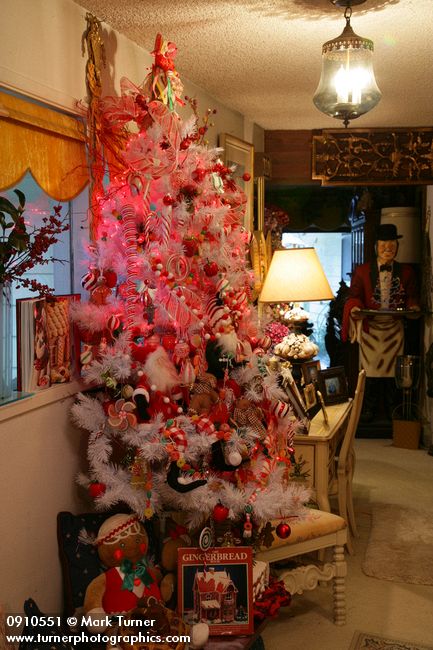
{"type": "Point", "coordinates": [44, 156]}
{"type": "Point", "coordinates": [62, 276]}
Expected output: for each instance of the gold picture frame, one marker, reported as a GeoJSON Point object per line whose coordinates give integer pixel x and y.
{"type": "Point", "coordinates": [240, 153]}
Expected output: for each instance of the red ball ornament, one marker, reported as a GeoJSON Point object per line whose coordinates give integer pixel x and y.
{"type": "Point", "coordinates": [211, 269]}
{"type": "Point", "coordinates": [100, 294]}
{"type": "Point", "coordinates": [220, 513]}
{"type": "Point", "coordinates": [168, 200]}
{"type": "Point", "coordinates": [190, 246]}
{"type": "Point", "coordinates": [199, 174]}
{"type": "Point", "coordinates": [246, 177]}
{"type": "Point", "coordinates": [168, 342]}
{"type": "Point", "coordinates": [96, 489]}
{"type": "Point", "coordinates": [110, 278]}
{"type": "Point", "coordinates": [283, 530]}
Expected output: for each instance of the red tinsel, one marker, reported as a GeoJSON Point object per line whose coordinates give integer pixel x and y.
{"type": "Point", "coordinates": [270, 601]}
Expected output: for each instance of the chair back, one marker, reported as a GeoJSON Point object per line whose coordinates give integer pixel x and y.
{"type": "Point", "coordinates": [352, 425]}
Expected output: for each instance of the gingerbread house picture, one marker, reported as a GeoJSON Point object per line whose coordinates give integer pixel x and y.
{"type": "Point", "coordinates": [215, 596]}
{"type": "Point", "coordinates": [216, 587]}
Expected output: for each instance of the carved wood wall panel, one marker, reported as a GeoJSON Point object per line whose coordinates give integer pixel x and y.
{"type": "Point", "coordinates": [373, 156]}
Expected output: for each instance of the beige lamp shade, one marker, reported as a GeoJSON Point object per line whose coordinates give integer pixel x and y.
{"type": "Point", "coordinates": [295, 275]}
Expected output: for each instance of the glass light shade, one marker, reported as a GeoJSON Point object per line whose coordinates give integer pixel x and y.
{"type": "Point", "coordinates": [295, 275]}
{"type": "Point", "coordinates": [347, 87]}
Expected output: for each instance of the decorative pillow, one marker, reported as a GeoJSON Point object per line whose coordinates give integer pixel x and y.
{"type": "Point", "coordinates": [80, 562]}
{"type": "Point", "coordinates": [32, 629]}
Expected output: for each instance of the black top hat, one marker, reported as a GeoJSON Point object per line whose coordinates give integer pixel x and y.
{"type": "Point", "coordinates": [386, 232]}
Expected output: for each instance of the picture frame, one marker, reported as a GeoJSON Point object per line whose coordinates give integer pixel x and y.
{"type": "Point", "coordinates": [240, 153]}
{"type": "Point", "coordinates": [310, 371]}
{"type": "Point", "coordinates": [216, 587]}
{"type": "Point", "coordinates": [310, 398]}
{"type": "Point", "coordinates": [332, 384]}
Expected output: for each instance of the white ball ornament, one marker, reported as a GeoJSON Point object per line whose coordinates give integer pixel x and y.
{"type": "Point", "coordinates": [234, 458]}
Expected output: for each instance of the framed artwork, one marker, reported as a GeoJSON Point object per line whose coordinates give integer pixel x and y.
{"type": "Point", "coordinates": [332, 384]}
{"type": "Point", "coordinates": [310, 371]}
{"type": "Point", "coordinates": [216, 587]}
{"type": "Point", "coordinates": [240, 153]}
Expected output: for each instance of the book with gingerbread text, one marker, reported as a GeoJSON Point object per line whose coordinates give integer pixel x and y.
{"type": "Point", "coordinates": [46, 342]}
{"type": "Point", "coordinates": [216, 587]}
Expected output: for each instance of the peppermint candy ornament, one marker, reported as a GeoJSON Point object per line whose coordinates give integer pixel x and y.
{"type": "Point", "coordinates": [89, 280]}
{"type": "Point", "coordinates": [113, 322]}
{"type": "Point", "coordinates": [187, 373]}
{"type": "Point", "coordinates": [280, 409]}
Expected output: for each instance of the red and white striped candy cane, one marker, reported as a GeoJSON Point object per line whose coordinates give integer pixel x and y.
{"type": "Point", "coordinates": [130, 240]}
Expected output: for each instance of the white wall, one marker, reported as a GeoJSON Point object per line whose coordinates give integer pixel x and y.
{"type": "Point", "coordinates": [41, 454]}
{"type": "Point", "coordinates": [40, 56]}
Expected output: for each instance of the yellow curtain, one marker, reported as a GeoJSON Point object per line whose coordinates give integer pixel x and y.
{"type": "Point", "coordinates": [48, 144]}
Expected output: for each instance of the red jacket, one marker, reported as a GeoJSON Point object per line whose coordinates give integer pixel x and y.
{"type": "Point", "coordinates": [365, 290]}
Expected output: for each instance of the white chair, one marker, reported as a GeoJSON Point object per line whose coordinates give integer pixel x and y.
{"type": "Point", "coordinates": [345, 465]}
{"type": "Point", "coordinates": [318, 531]}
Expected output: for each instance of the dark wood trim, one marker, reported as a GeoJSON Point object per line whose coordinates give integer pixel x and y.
{"type": "Point", "coordinates": [400, 156]}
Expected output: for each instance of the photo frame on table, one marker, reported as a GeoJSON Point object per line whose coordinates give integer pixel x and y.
{"type": "Point", "coordinates": [310, 371]}
{"type": "Point", "coordinates": [216, 587]}
{"type": "Point", "coordinates": [310, 398]}
{"type": "Point", "coordinates": [332, 384]}
{"type": "Point", "coordinates": [240, 153]}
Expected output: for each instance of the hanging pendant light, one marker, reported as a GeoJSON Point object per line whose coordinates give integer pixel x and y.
{"type": "Point", "coordinates": [347, 87]}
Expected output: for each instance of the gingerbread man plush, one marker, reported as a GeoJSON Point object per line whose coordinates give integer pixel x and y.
{"type": "Point", "coordinates": [130, 585]}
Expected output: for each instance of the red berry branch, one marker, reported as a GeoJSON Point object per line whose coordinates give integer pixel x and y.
{"type": "Point", "coordinates": [22, 248]}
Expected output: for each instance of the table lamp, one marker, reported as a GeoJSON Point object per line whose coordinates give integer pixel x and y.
{"type": "Point", "coordinates": [295, 275]}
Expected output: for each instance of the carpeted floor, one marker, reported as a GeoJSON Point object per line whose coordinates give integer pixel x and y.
{"type": "Point", "coordinates": [364, 641]}
{"type": "Point", "coordinates": [387, 475]}
{"type": "Point", "coordinates": [399, 546]}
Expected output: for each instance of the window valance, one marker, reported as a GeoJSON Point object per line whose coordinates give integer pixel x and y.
{"type": "Point", "coordinates": [49, 144]}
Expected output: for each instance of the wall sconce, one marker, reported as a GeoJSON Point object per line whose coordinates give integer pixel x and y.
{"type": "Point", "coordinates": [347, 86]}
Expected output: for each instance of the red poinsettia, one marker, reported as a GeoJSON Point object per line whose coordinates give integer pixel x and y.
{"type": "Point", "coordinates": [21, 247]}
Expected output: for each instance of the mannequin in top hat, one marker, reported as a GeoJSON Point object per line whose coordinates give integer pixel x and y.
{"type": "Point", "coordinates": [382, 284]}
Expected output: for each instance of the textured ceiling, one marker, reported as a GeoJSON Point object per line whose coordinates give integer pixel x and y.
{"type": "Point", "coordinates": [263, 57]}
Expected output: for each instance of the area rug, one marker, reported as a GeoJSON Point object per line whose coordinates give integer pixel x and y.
{"type": "Point", "coordinates": [400, 545]}
{"type": "Point", "coordinates": [364, 641]}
